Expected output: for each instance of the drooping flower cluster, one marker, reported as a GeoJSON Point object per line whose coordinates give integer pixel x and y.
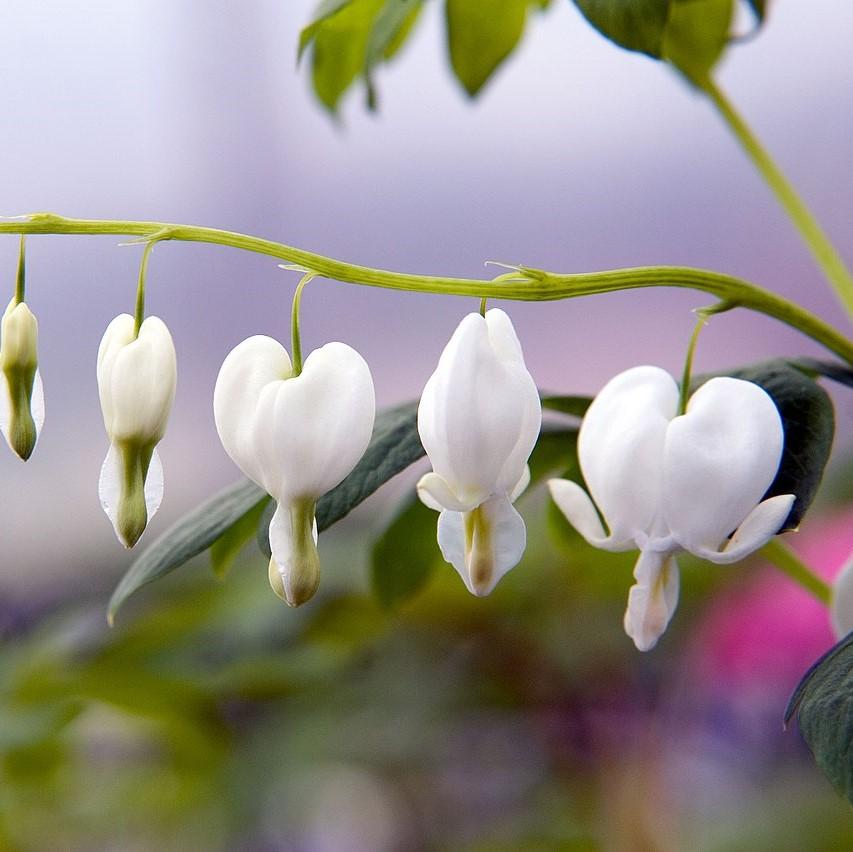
{"type": "Point", "coordinates": [479, 419]}
{"type": "Point", "coordinates": [666, 482]}
{"type": "Point", "coordinates": [297, 436]}
{"type": "Point", "coordinates": [137, 375]}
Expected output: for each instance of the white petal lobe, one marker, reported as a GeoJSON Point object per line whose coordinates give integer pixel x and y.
{"type": "Point", "coordinates": [652, 599]}
{"type": "Point", "coordinates": [719, 460]}
{"type": "Point", "coordinates": [620, 447]}
{"type": "Point", "coordinates": [483, 548]}
{"type": "Point", "coordinates": [759, 526]}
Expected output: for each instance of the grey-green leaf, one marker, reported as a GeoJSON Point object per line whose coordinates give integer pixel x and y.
{"type": "Point", "coordinates": [575, 406]}
{"type": "Point", "coordinates": [191, 535]}
{"type": "Point", "coordinates": [809, 422]}
{"type": "Point", "coordinates": [823, 704]}
{"type": "Point", "coordinates": [226, 548]}
{"type": "Point", "coordinates": [405, 555]}
{"type": "Point", "coordinates": [394, 446]}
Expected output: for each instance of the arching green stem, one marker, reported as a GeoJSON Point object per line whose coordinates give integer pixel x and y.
{"type": "Point", "coordinates": [822, 249]}
{"type": "Point", "coordinates": [524, 283]}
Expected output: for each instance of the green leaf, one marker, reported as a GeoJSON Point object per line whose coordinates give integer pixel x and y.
{"type": "Point", "coordinates": [390, 30]}
{"type": "Point", "coordinates": [405, 555]}
{"type": "Point", "coordinates": [480, 36]}
{"type": "Point", "coordinates": [191, 535]}
{"type": "Point", "coordinates": [636, 25]}
{"type": "Point", "coordinates": [324, 11]}
{"type": "Point", "coordinates": [691, 34]}
{"type": "Point", "coordinates": [349, 39]}
{"type": "Point", "coordinates": [823, 703]}
{"type": "Point", "coordinates": [576, 406]}
{"type": "Point", "coordinates": [759, 8]}
{"type": "Point", "coordinates": [809, 422]}
{"type": "Point", "coordinates": [555, 454]}
{"type": "Point", "coordinates": [696, 34]}
{"type": "Point", "coordinates": [225, 549]}
{"type": "Point", "coordinates": [394, 446]}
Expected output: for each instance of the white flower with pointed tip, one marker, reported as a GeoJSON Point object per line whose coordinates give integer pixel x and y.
{"type": "Point", "coordinates": [295, 436]}
{"type": "Point", "coordinates": [665, 483]}
{"type": "Point", "coordinates": [137, 376]}
{"type": "Point", "coordinates": [841, 601]}
{"type": "Point", "coordinates": [22, 400]}
{"type": "Point", "coordinates": [478, 420]}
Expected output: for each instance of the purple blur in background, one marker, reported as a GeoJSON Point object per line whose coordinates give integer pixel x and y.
{"type": "Point", "coordinates": [576, 157]}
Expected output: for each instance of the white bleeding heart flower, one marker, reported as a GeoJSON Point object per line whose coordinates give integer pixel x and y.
{"type": "Point", "coordinates": [137, 375]}
{"type": "Point", "coordinates": [478, 419]}
{"type": "Point", "coordinates": [22, 399]}
{"type": "Point", "coordinates": [841, 601]}
{"type": "Point", "coordinates": [665, 482]}
{"type": "Point", "coordinates": [297, 436]}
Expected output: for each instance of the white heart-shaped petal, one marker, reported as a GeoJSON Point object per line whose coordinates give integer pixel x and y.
{"type": "Point", "coordinates": [251, 366]}
{"type": "Point", "coordinates": [620, 447]}
{"type": "Point", "coordinates": [720, 457]}
{"type": "Point", "coordinates": [136, 379]}
{"type": "Point", "coordinates": [311, 430]}
{"type": "Point", "coordinates": [760, 525]}
{"type": "Point", "coordinates": [580, 512]}
{"type": "Point", "coordinates": [484, 547]}
{"type": "Point", "coordinates": [652, 599]}
{"type": "Point", "coordinates": [109, 487]}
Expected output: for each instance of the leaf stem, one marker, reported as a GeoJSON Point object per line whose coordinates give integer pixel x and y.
{"type": "Point", "coordinates": [819, 244]}
{"type": "Point", "coordinates": [782, 557]}
{"type": "Point", "coordinates": [523, 283]}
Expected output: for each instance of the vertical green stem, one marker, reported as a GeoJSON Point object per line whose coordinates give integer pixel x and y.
{"type": "Point", "coordinates": [295, 338]}
{"type": "Point", "coordinates": [824, 253]}
{"type": "Point", "coordinates": [139, 315]}
{"type": "Point", "coordinates": [483, 306]}
{"type": "Point", "coordinates": [780, 555]}
{"type": "Point", "coordinates": [20, 284]}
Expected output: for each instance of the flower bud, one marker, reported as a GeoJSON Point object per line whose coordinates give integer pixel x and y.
{"type": "Point", "coordinates": [136, 383]}
{"type": "Point", "coordinates": [22, 405]}
{"type": "Point", "coordinates": [297, 437]}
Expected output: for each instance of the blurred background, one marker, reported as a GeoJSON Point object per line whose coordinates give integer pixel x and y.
{"type": "Point", "coordinates": [213, 718]}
